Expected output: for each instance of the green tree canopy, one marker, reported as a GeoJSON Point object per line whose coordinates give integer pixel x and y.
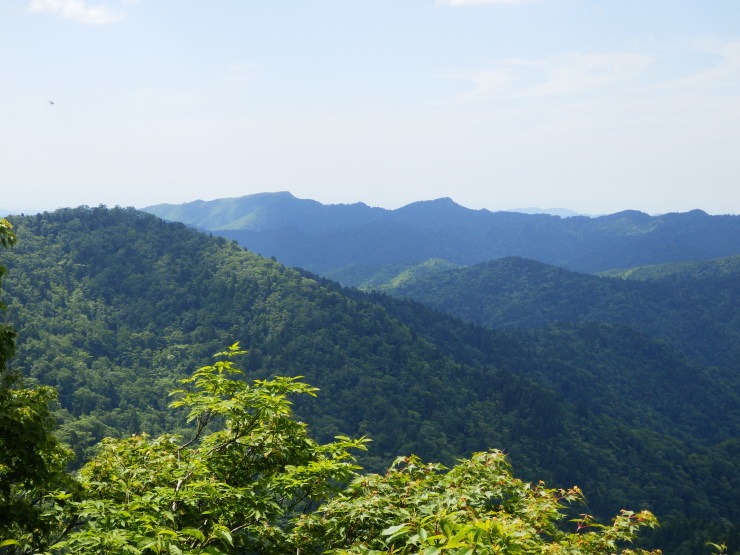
{"type": "Point", "coordinates": [235, 486]}
{"type": "Point", "coordinates": [475, 507]}
{"type": "Point", "coordinates": [31, 459]}
{"type": "Point", "coordinates": [250, 480]}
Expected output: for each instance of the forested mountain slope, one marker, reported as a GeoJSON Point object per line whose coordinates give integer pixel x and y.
{"type": "Point", "coordinates": [699, 315]}
{"type": "Point", "coordinates": [112, 306]}
{"type": "Point", "coordinates": [600, 368]}
{"type": "Point", "coordinates": [328, 238]}
{"type": "Point", "coordinates": [721, 267]}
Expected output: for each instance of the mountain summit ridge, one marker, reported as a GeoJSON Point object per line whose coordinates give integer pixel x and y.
{"type": "Point", "coordinates": [325, 238]}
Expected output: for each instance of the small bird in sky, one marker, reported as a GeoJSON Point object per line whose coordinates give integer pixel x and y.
{"type": "Point", "coordinates": [51, 102]}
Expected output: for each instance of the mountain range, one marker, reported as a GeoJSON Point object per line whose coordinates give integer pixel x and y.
{"type": "Point", "coordinates": [358, 240]}
{"type": "Point", "coordinates": [604, 382]}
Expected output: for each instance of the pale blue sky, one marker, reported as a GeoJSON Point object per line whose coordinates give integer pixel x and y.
{"type": "Point", "coordinates": [594, 105]}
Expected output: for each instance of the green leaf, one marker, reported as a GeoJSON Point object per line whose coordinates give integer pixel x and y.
{"type": "Point", "coordinates": [394, 530]}
{"type": "Point", "coordinates": [224, 535]}
{"type": "Point", "coordinates": [194, 533]}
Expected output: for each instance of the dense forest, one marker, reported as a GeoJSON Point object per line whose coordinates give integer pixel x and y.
{"type": "Point", "coordinates": [697, 312]}
{"type": "Point", "coordinates": [113, 306]}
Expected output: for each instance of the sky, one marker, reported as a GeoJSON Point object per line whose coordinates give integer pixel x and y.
{"type": "Point", "coordinates": [593, 105]}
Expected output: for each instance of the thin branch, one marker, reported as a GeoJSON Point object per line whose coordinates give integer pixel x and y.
{"type": "Point", "coordinates": [203, 421]}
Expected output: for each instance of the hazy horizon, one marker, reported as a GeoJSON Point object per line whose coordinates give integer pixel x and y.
{"type": "Point", "coordinates": [562, 211]}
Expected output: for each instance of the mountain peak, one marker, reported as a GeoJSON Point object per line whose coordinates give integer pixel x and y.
{"type": "Point", "coordinates": [424, 213]}
{"type": "Point", "coordinates": [437, 202]}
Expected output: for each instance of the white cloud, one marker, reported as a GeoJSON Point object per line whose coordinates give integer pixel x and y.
{"type": "Point", "coordinates": [614, 74]}
{"type": "Point", "coordinates": [576, 74]}
{"type": "Point", "coordinates": [573, 74]}
{"type": "Point", "coordinates": [480, 2]}
{"type": "Point", "coordinates": [724, 74]}
{"type": "Point", "coordinates": [78, 11]}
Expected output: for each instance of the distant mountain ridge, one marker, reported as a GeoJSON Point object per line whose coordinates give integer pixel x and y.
{"type": "Point", "coordinates": [681, 270]}
{"type": "Point", "coordinates": [562, 212]}
{"type": "Point", "coordinates": [328, 239]}
{"type": "Point", "coordinates": [266, 211]}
